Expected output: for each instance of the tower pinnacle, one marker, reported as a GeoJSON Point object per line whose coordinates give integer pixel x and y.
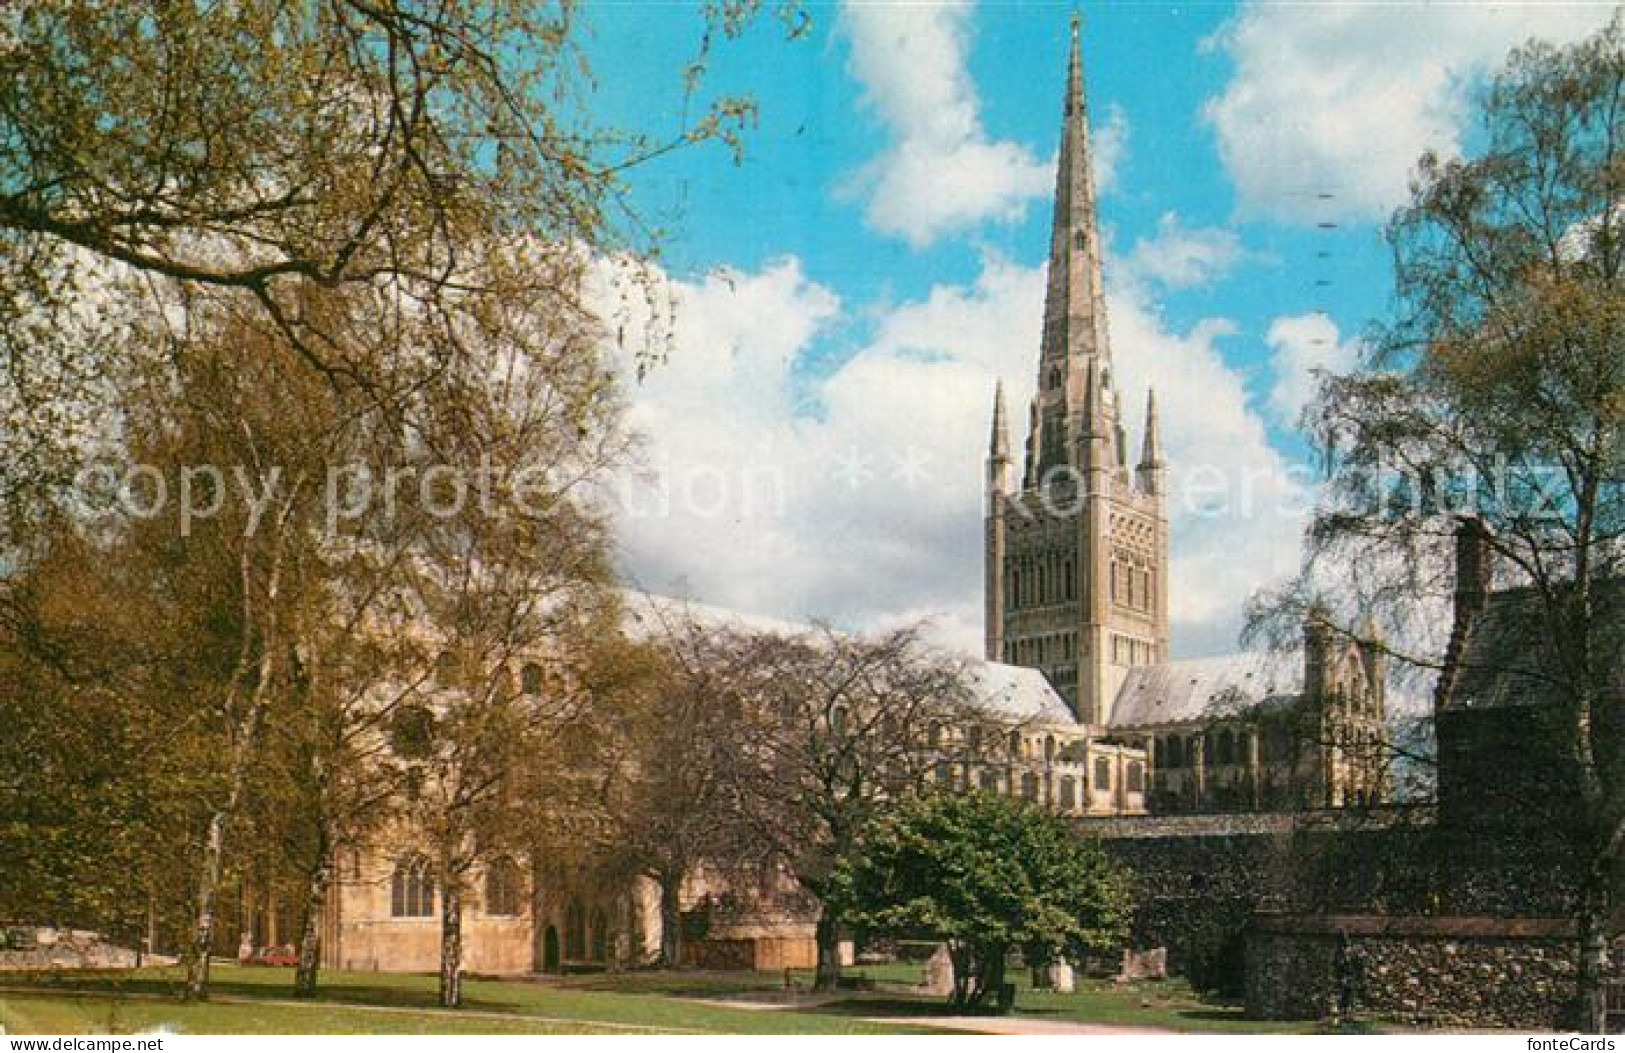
{"type": "Point", "coordinates": [999, 442]}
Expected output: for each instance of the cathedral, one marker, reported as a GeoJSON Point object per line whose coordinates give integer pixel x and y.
{"type": "Point", "coordinates": [1077, 583]}
{"type": "Point", "coordinates": [1101, 721]}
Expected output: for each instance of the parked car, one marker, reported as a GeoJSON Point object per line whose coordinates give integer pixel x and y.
{"type": "Point", "coordinates": [283, 955]}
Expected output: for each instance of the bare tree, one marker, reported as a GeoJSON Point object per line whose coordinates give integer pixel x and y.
{"type": "Point", "coordinates": [835, 727]}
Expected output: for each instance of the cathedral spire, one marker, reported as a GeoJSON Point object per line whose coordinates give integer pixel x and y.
{"type": "Point", "coordinates": [999, 443]}
{"type": "Point", "coordinates": [1074, 307]}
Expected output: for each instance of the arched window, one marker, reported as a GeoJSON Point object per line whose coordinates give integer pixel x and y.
{"type": "Point", "coordinates": [411, 731]}
{"type": "Point", "coordinates": [411, 889]}
{"type": "Point", "coordinates": [1103, 773]}
{"type": "Point", "coordinates": [504, 887]}
{"type": "Point", "coordinates": [447, 669]}
{"type": "Point", "coordinates": [575, 932]}
{"type": "Point", "coordinates": [530, 679]}
{"type": "Point", "coordinates": [838, 720]}
{"type": "Point", "coordinates": [600, 936]}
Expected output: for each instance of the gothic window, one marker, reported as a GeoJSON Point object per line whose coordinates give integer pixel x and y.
{"type": "Point", "coordinates": [1049, 747]}
{"type": "Point", "coordinates": [411, 731]}
{"type": "Point", "coordinates": [1103, 773]}
{"type": "Point", "coordinates": [838, 720]}
{"type": "Point", "coordinates": [530, 679]}
{"type": "Point", "coordinates": [446, 669]}
{"type": "Point", "coordinates": [600, 936]}
{"type": "Point", "coordinates": [411, 889]}
{"type": "Point", "coordinates": [1069, 793]}
{"type": "Point", "coordinates": [1029, 786]}
{"type": "Point", "coordinates": [503, 887]}
{"type": "Point", "coordinates": [1135, 777]}
{"type": "Point", "coordinates": [575, 932]}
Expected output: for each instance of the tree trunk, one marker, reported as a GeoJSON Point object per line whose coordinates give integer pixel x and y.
{"type": "Point", "coordinates": [197, 962]}
{"type": "Point", "coordinates": [245, 737]}
{"type": "Point", "coordinates": [310, 924]}
{"type": "Point", "coordinates": [1590, 1012]}
{"type": "Point", "coordinates": [828, 976]}
{"type": "Point", "coordinates": [671, 922]}
{"type": "Point", "coordinates": [451, 946]}
{"type": "Point", "coordinates": [960, 953]}
{"type": "Point", "coordinates": [993, 976]}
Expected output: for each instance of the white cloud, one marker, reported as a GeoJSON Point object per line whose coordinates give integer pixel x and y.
{"type": "Point", "coordinates": [942, 172]}
{"type": "Point", "coordinates": [1302, 347]}
{"type": "Point", "coordinates": [1180, 257]}
{"type": "Point", "coordinates": [1108, 146]}
{"type": "Point", "coordinates": [1237, 508]}
{"type": "Point", "coordinates": [1341, 99]}
{"type": "Point", "coordinates": [867, 509]}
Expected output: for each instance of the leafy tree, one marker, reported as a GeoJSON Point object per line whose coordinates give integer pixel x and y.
{"type": "Point", "coordinates": [1494, 402]}
{"type": "Point", "coordinates": [985, 873]}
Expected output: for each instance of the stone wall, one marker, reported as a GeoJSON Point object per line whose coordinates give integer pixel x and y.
{"type": "Point", "coordinates": [1431, 971]}
{"type": "Point", "coordinates": [1199, 880]}
{"type": "Point", "coordinates": [67, 949]}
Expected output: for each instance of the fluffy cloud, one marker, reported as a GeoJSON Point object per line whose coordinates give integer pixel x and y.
{"type": "Point", "coordinates": [942, 172]}
{"type": "Point", "coordinates": [865, 506]}
{"type": "Point", "coordinates": [1179, 257]}
{"type": "Point", "coordinates": [1330, 105]}
{"type": "Point", "coordinates": [1237, 508]}
{"type": "Point", "coordinates": [1108, 146]}
{"type": "Point", "coordinates": [1302, 347]}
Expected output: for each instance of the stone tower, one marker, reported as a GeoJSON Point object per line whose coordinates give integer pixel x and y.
{"type": "Point", "coordinates": [1077, 554]}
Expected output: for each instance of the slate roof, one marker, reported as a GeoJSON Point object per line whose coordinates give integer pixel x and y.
{"type": "Point", "coordinates": [1017, 693]}
{"type": "Point", "coordinates": [1507, 652]}
{"type": "Point", "coordinates": [1196, 689]}
{"type": "Point", "coordinates": [1006, 691]}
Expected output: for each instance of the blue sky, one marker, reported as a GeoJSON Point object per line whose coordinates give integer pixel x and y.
{"type": "Point", "coordinates": [842, 298]}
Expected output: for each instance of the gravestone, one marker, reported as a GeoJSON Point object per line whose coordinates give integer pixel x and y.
{"type": "Point", "coordinates": [939, 972]}
{"type": "Point", "coordinates": [1062, 980]}
{"type": "Point", "coordinates": [1144, 965]}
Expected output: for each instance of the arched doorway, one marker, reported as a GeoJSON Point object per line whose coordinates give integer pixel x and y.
{"type": "Point", "coordinates": [550, 951]}
{"type": "Point", "coordinates": [575, 932]}
{"type": "Point", "coordinates": [600, 936]}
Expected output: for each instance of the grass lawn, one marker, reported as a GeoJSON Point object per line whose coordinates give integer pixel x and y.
{"type": "Point", "coordinates": [78, 1003]}
{"type": "Point", "coordinates": [1168, 1005]}
{"type": "Point", "coordinates": [257, 1001]}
